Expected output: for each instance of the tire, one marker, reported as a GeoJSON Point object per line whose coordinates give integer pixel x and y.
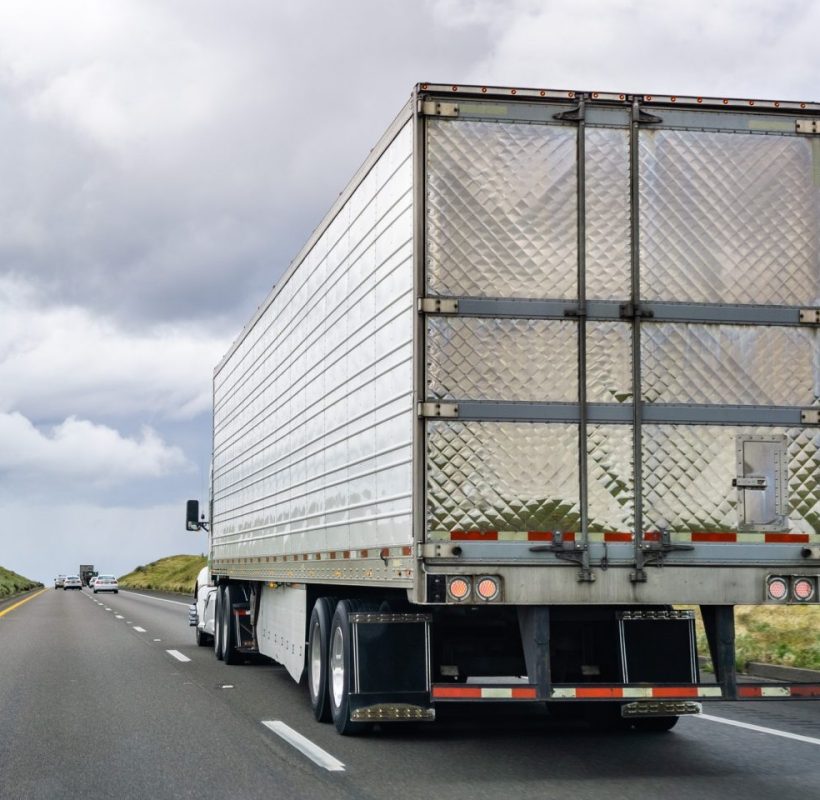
{"type": "Point", "coordinates": [607, 717]}
{"type": "Point", "coordinates": [218, 624]}
{"type": "Point", "coordinates": [317, 660]}
{"type": "Point", "coordinates": [95, 591]}
{"type": "Point", "coordinates": [654, 724]}
{"type": "Point", "coordinates": [340, 664]}
{"type": "Point", "coordinates": [230, 655]}
{"type": "Point", "coordinates": [202, 639]}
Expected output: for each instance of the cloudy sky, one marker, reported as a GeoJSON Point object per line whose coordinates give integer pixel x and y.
{"type": "Point", "coordinates": [162, 162]}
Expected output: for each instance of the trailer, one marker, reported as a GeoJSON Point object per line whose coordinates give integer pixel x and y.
{"type": "Point", "coordinates": [545, 379]}
{"type": "Point", "coordinates": [86, 573]}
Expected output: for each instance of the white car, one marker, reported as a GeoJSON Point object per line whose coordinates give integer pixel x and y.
{"type": "Point", "coordinates": [91, 581]}
{"type": "Point", "coordinates": [72, 582]}
{"type": "Point", "coordinates": [201, 611]}
{"type": "Point", "coordinates": [106, 583]}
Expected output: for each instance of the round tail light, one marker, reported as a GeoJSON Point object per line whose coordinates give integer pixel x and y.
{"type": "Point", "coordinates": [803, 589]}
{"type": "Point", "coordinates": [487, 588]}
{"type": "Point", "coordinates": [458, 588]}
{"type": "Point", "coordinates": [778, 589]}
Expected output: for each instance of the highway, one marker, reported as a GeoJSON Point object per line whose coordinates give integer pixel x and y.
{"type": "Point", "coordinates": [108, 696]}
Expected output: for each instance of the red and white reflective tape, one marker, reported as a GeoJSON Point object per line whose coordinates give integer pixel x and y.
{"type": "Point", "coordinates": [615, 537]}
{"type": "Point", "coordinates": [449, 692]}
{"type": "Point", "coordinates": [793, 690]}
{"type": "Point", "coordinates": [633, 692]}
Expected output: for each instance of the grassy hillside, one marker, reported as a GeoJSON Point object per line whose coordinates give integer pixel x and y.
{"type": "Point", "coordinates": [785, 635]}
{"type": "Point", "coordinates": [172, 574]}
{"type": "Point", "coordinates": [778, 635]}
{"type": "Point", "coordinates": [12, 583]}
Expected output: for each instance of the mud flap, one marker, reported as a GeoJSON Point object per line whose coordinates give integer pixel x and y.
{"type": "Point", "coordinates": [391, 667]}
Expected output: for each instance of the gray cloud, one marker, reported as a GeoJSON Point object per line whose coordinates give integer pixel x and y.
{"type": "Point", "coordinates": [164, 160]}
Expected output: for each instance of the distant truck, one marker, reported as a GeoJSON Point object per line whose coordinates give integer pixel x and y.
{"type": "Point", "coordinates": [546, 372]}
{"type": "Point", "coordinates": [86, 573]}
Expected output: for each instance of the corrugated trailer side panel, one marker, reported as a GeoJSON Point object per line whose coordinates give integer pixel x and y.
{"type": "Point", "coordinates": [313, 407]}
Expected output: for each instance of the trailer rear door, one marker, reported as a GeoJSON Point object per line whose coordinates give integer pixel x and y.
{"type": "Point", "coordinates": [621, 331]}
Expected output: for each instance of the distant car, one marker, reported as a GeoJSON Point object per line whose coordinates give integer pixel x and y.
{"type": "Point", "coordinates": [59, 581]}
{"type": "Point", "coordinates": [91, 581]}
{"type": "Point", "coordinates": [106, 583]}
{"type": "Point", "coordinates": [72, 582]}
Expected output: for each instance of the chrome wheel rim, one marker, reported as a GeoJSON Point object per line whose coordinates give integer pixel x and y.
{"type": "Point", "coordinates": [315, 660]}
{"type": "Point", "coordinates": [337, 666]}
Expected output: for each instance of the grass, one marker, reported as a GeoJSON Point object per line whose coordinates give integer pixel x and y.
{"type": "Point", "coordinates": [784, 635]}
{"type": "Point", "coordinates": [171, 574]}
{"type": "Point", "coordinates": [788, 635]}
{"type": "Point", "coordinates": [12, 583]}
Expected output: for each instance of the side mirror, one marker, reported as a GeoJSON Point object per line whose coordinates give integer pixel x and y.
{"type": "Point", "coordinates": [192, 515]}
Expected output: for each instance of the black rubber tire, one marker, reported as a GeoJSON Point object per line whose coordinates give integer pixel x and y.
{"type": "Point", "coordinates": [319, 636]}
{"type": "Point", "coordinates": [654, 724]}
{"type": "Point", "coordinates": [230, 655]}
{"type": "Point", "coordinates": [606, 716]}
{"type": "Point", "coordinates": [340, 637]}
{"type": "Point", "coordinates": [202, 639]}
{"type": "Point", "coordinates": [218, 624]}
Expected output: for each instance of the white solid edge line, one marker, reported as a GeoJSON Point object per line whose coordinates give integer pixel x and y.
{"type": "Point", "coordinates": [315, 753]}
{"type": "Point", "coordinates": [177, 655]}
{"type": "Point", "coordinates": [138, 629]}
{"type": "Point", "coordinates": [758, 728]}
{"type": "Point", "coordinates": [161, 599]}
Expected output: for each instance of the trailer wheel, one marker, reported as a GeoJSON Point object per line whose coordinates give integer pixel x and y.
{"type": "Point", "coordinates": [654, 724]}
{"type": "Point", "coordinates": [318, 649]}
{"type": "Point", "coordinates": [218, 624]}
{"type": "Point", "coordinates": [340, 667]}
{"type": "Point", "coordinates": [230, 655]}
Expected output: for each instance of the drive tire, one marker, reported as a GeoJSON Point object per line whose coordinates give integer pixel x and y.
{"type": "Point", "coordinates": [230, 655]}
{"type": "Point", "coordinates": [317, 663]}
{"type": "Point", "coordinates": [218, 624]}
{"type": "Point", "coordinates": [654, 724]}
{"type": "Point", "coordinates": [340, 667]}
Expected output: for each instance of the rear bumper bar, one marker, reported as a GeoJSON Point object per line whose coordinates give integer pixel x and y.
{"type": "Point", "coordinates": [444, 692]}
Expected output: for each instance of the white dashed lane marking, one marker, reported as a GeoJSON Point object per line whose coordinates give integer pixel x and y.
{"type": "Point", "coordinates": [315, 753]}
{"type": "Point", "coordinates": [138, 629]}
{"type": "Point", "coordinates": [177, 655]}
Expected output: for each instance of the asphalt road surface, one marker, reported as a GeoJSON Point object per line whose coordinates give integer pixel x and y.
{"type": "Point", "coordinates": [107, 696]}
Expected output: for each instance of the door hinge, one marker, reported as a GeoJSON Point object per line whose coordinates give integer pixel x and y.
{"type": "Point", "coordinates": [438, 305]}
{"type": "Point", "coordinates": [435, 108]}
{"type": "Point", "coordinates": [438, 410]}
{"type": "Point", "coordinates": [807, 126]}
{"type": "Point", "coordinates": [810, 316]}
{"type": "Point", "coordinates": [810, 416]}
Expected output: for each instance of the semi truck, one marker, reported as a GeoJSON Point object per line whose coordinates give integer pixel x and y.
{"type": "Point", "coordinates": [86, 573]}
{"type": "Point", "coordinates": [541, 388]}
